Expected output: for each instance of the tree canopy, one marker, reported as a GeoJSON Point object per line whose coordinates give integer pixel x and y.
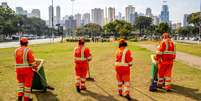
{"type": "Point", "coordinates": [118, 27]}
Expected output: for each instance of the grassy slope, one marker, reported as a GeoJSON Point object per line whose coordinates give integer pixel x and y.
{"type": "Point", "coordinates": [194, 49]}
{"type": "Point", "coordinates": [60, 74]}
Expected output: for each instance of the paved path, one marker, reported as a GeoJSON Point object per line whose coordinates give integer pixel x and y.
{"type": "Point", "coordinates": [38, 41]}
{"type": "Point", "coordinates": [189, 59]}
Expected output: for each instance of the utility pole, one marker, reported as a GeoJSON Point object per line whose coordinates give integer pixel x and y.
{"type": "Point", "coordinates": [72, 15]}
{"type": "Point", "coordinates": [52, 21]}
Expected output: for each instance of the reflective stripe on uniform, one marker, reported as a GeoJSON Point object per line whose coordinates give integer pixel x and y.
{"type": "Point", "coordinates": [122, 63]}
{"type": "Point", "coordinates": [27, 94]}
{"type": "Point", "coordinates": [167, 78]}
{"type": "Point", "coordinates": [166, 49]}
{"type": "Point", "coordinates": [83, 79]}
{"type": "Point", "coordinates": [160, 79]}
{"type": "Point", "coordinates": [127, 83]}
{"type": "Point", "coordinates": [25, 60]}
{"type": "Point", "coordinates": [167, 83]}
{"type": "Point", "coordinates": [126, 89]}
{"type": "Point", "coordinates": [82, 58]}
{"type": "Point", "coordinates": [120, 83]}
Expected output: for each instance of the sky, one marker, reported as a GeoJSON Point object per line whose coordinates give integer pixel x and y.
{"type": "Point", "coordinates": [177, 8]}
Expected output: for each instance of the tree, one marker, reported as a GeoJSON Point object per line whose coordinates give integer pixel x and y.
{"type": "Point", "coordinates": [118, 27]}
{"type": "Point", "coordinates": [195, 19]}
{"type": "Point", "coordinates": [143, 23]}
{"type": "Point", "coordinates": [10, 23]}
{"type": "Point", "coordinates": [162, 27]}
{"type": "Point", "coordinates": [90, 29]}
{"type": "Point", "coordinates": [7, 18]}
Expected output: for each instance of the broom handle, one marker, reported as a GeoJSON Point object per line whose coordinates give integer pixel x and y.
{"type": "Point", "coordinates": [89, 72]}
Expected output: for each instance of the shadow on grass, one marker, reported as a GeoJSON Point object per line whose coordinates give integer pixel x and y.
{"type": "Point", "coordinates": [188, 92]}
{"type": "Point", "coordinates": [100, 97]}
{"type": "Point", "coordinates": [45, 96]}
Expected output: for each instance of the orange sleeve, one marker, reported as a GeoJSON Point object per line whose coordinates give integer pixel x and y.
{"type": "Point", "coordinates": [74, 52]}
{"type": "Point", "coordinates": [88, 53]}
{"type": "Point", "coordinates": [162, 46]}
{"type": "Point", "coordinates": [129, 57]}
{"type": "Point", "coordinates": [30, 56]}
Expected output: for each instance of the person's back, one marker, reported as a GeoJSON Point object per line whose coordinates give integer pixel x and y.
{"type": "Point", "coordinates": [167, 49]}
{"type": "Point", "coordinates": [82, 56]}
{"type": "Point", "coordinates": [24, 61]}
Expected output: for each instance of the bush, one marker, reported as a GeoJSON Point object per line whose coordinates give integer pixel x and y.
{"type": "Point", "coordinates": [76, 40]}
{"type": "Point", "coordinates": [133, 40]}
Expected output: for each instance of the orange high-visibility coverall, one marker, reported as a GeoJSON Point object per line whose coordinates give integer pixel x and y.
{"type": "Point", "coordinates": [24, 59]}
{"type": "Point", "coordinates": [166, 53]}
{"type": "Point", "coordinates": [81, 56]}
{"type": "Point", "coordinates": [122, 66]}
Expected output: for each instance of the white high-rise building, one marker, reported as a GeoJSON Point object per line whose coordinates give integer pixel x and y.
{"type": "Point", "coordinates": [51, 15]}
{"type": "Point", "coordinates": [156, 20]}
{"type": "Point", "coordinates": [149, 12]}
{"type": "Point", "coordinates": [130, 14]}
{"type": "Point", "coordinates": [4, 4]}
{"type": "Point", "coordinates": [111, 14]}
{"type": "Point", "coordinates": [97, 15]}
{"type": "Point", "coordinates": [119, 17]}
{"type": "Point", "coordinates": [35, 13]}
{"type": "Point", "coordinates": [58, 15]}
{"type": "Point", "coordinates": [185, 22]}
{"type": "Point", "coordinates": [86, 18]}
{"type": "Point", "coordinates": [78, 20]}
{"type": "Point", "coordinates": [20, 11]}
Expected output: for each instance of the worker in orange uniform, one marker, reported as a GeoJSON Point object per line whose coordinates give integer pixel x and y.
{"type": "Point", "coordinates": [122, 65]}
{"type": "Point", "coordinates": [165, 55]}
{"type": "Point", "coordinates": [82, 56]}
{"type": "Point", "coordinates": [25, 63]}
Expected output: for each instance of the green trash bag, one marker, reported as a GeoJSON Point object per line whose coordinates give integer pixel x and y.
{"type": "Point", "coordinates": [39, 80]}
{"type": "Point", "coordinates": [154, 75]}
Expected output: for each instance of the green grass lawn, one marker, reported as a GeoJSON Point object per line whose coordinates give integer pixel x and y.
{"type": "Point", "coordinates": [59, 70]}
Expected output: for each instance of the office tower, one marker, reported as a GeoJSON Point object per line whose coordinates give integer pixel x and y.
{"type": "Point", "coordinates": [130, 14]}
{"type": "Point", "coordinates": [111, 14]}
{"type": "Point", "coordinates": [97, 16]}
{"type": "Point", "coordinates": [58, 15]}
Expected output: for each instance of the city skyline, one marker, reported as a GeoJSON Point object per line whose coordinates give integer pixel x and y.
{"type": "Point", "coordinates": [177, 8]}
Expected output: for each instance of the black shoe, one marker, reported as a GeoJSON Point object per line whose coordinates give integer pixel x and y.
{"type": "Point", "coordinates": [30, 99]}
{"type": "Point", "coordinates": [78, 89]}
{"type": "Point", "coordinates": [120, 95]}
{"type": "Point", "coordinates": [128, 97]}
{"type": "Point", "coordinates": [19, 98]}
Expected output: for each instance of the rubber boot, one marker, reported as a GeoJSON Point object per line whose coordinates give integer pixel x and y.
{"type": "Point", "coordinates": [153, 86]}
{"type": "Point", "coordinates": [78, 89]}
{"type": "Point", "coordinates": [128, 97]}
{"type": "Point", "coordinates": [19, 98]}
{"type": "Point", "coordinates": [120, 93]}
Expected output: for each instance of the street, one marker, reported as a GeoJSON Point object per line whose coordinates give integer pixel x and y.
{"type": "Point", "coordinates": [31, 42]}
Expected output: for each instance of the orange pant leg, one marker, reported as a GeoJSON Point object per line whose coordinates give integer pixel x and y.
{"type": "Point", "coordinates": [161, 73]}
{"type": "Point", "coordinates": [167, 75]}
{"type": "Point", "coordinates": [81, 72]}
{"type": "Point", "coordinates": [28, 83]}
{"type": "Point", "coordinates": [126, 79]}
{"type": "Point", "coordinates": [20, 80]}
{"type": "Point", "coordinates": [123, 77]}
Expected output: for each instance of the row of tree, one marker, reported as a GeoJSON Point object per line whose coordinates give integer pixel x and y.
{"type": "Point", "coordinates": [122, 28]}
{"type": "Point", "coordinates": [10, 23]}
{"type": "Point", "coordinates": [143, 25]}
